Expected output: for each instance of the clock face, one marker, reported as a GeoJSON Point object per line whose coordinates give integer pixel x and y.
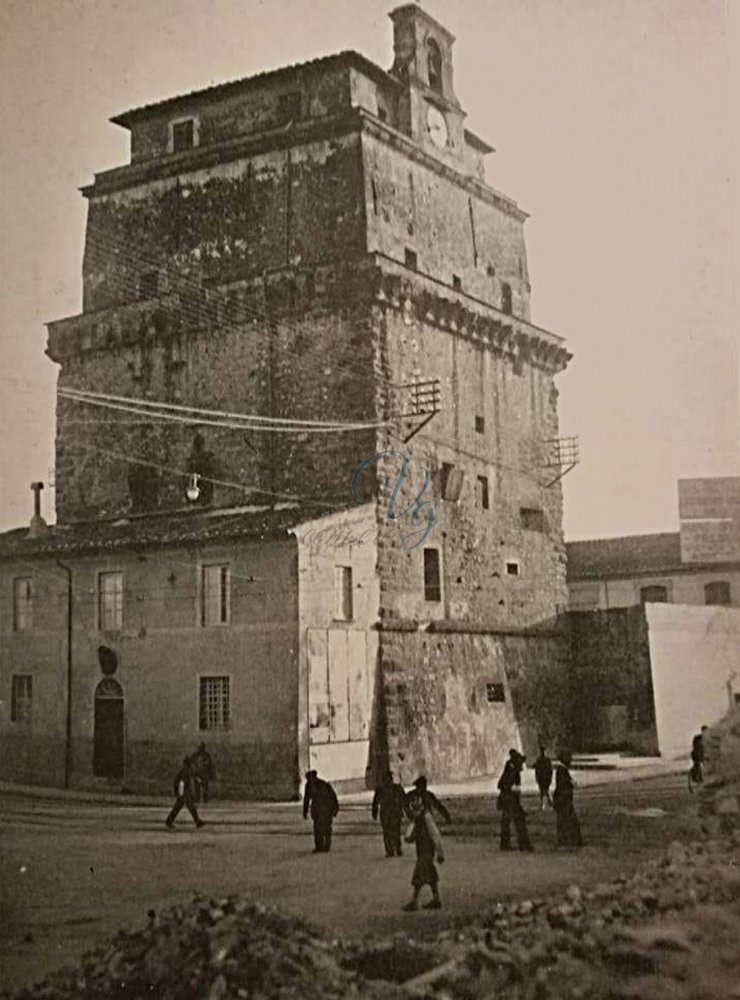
{"type": "Point", "coordinates": [437, 127]}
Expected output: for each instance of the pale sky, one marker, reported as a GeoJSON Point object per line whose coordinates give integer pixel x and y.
{"type": "Point", "coordinates": [612, 121]}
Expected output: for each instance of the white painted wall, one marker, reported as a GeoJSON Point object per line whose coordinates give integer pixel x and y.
{"type": "Point", "coordinates": [695, 662]}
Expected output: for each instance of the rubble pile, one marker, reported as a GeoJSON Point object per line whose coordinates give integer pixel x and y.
{"type": "Point", "coordinates": [719, 795]}
{"type": "Point", "coordinates": [672, 930]}
{"type": "Point", "coordinates": [213, 950]}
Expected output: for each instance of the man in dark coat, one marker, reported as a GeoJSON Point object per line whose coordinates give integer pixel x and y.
{"type": "Point", "coordinates": [696, 774]}
{"type": "Point", "coordinates": [430, 800]}
{"type": "Point", "coordinates": [566, 821]}
{"type": "Point", "coordinates": [202, 773]}
{"type": "Point", "coordinates": [543, 776]}
{"type": "Point", "coordinates": [320, 799]}
{"type": "Point", "coordinates": [510, 803]}
{"type": "Point", "coordinates": [390, 802]}
{"type": "Point", "coordinates": [183, 788]}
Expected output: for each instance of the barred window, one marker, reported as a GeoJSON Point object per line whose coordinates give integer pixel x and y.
{"type": "Point", "coordinates": [21, 698]}
{"type": "Point", "coordinates": [214, 703]}
{"type": "Point", "coordinates": [215, 595]}
{"type": "Point", "coordinates": [22, 604]}
{"type": "Point", "coordinates": [110, 601]}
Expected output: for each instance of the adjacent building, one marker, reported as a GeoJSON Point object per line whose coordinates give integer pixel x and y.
{"type": "Point", "coordinates": [699, 564]}
{"type": "Point", "coordinates": [297, 276]}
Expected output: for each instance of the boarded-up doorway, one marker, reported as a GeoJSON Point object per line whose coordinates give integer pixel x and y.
{"type": "Point", "coordinates": [108, 732]}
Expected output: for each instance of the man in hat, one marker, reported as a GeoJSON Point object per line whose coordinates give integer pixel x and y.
{"type": "Point", "coordinates": [390, 802]}
{"type": "Point", "coordinates": [320, 799]}
{"type": "Point", "coordinates": [510, 803]}
{"type": "Point", "coordinates": [430, 800]}
{"type": "Point", "coordinates": [183, 787]}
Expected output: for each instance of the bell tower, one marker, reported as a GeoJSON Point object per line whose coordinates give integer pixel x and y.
{"type": "Point", "coordinates": [429, 110]}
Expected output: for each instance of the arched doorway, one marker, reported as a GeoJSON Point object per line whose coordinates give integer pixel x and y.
{"type": "Point", "coordinates": [108, 731]}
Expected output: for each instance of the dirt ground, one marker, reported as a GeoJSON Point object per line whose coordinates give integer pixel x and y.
{"type": "Point", "coordinates": [73, 873]}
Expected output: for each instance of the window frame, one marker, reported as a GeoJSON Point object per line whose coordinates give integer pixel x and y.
{"type": "Point", "coordinates": [23, 606]}
{"type": "Point", "coordinates": [174, 123]}
{"type": "Point", "coordinates": [224, 595]}
{"type": "Point", "coordinates": [223, 727]}
{"type": "Point", "coordinates": [726, 591]}
{"type": "Point", "coordinates": [495, 688]}
{"type": "Point", "coordinates": [512, 562]}
{"type": "Point", "coordinates": [343, 594]}
{"type": "Point", "coordinates": [483, 494]}
{"type": "Point", "coordinates": [24, 699]}
{"type": "Point", "coordinates": [103, 596]}
{"type": "Point", "coordinates": [432, 587]}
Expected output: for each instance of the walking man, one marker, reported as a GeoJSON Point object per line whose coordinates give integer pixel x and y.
{"type": "Point", "coordinates": [183, 788]}
{"type": "Point", "coordinates": [510, 803]}
{"type": "Point", "coordinates": [320, 799]}
{"type": "Point", "coordinates": [390, 802]}
{"type": "Point", "coordinates": [430, 800]}
{"type": "Point", "coordinates": [566, 821]}
{"type": "Point", "coordinates": [543, 776]}
{"type": "Point", "coordinates": [202, 773]}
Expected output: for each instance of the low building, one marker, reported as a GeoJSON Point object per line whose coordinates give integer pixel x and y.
{"type": "Point", "coordinates": [699, 564]}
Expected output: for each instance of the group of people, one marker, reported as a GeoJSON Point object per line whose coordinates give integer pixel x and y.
{"type": "Point", "coordinates": [509, 803]}
{"type": "Point", "coordinates": [191, 785]}
{"type": "Point", "coordinates": [392, 805]}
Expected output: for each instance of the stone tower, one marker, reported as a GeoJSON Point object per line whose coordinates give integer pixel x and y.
{"type": "Point", "coordinates": [313, 243]}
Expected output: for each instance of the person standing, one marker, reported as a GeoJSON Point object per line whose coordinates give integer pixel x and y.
{"type": "Point", "coordinates": [183, 788]}
{"type": "Point", "coordinates": [424, 833]}
{"type": "Point", "coordinates": [390, 803]}
{"type": "Point", "coordinates": [430, 800]}
{"type": "Point", "coordinates": [202, 773]}
{"type": "Point", "coordinates": [566, 821]}
{"type": "Point", "coordinates": [543, 776]}
{"type": "Point", "coordinates": [320, 799]}
{"type": "Point", "coordinates": [696, 774]}
{"type": "Point", "coordinates": [510, 803]}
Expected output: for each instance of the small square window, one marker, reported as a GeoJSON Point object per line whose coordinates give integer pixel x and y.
{"type": "Point", "coordinates": [21, 696]}
{"type": "Point", "coordinates": [343, 593]}
{"type": "Point", "coordinates": [532, 518]}
{"type": "Point", "coordinates": [512, 568]}
{"type": "Point", "coordinates": [480, 425]}
{"type": "Point", "coordinates": [183, 135]}
{"type": "Point", "coordinates": [456, 281]}
{"type": "Point", "coordinates": [432, 577]}
{"type": "Point", "coordinates": [410, 258]}
{"type": "Point", "coordinates": [495, 692]}
{"type": "Point", "coordinates": [654, 594]}
{"type": "Point", "coordinates": [483, 497]}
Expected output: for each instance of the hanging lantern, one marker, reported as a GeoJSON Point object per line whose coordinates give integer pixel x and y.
{"type": "Point", "coordinates": [193, 488]}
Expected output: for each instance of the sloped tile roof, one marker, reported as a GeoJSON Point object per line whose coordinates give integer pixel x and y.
{"type": "Point", "coordinates": [607, 557]}
{"type": "Point", "coordinates": [177, 528]}
{"type": "Point", "coordinates": [347, 58]}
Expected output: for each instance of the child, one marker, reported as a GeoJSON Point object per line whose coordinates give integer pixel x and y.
{"type": "Point", "coordinates": [424, 833]}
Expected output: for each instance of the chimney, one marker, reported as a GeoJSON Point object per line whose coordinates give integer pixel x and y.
{"type": "Point", "coordinates": [38, 525]}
